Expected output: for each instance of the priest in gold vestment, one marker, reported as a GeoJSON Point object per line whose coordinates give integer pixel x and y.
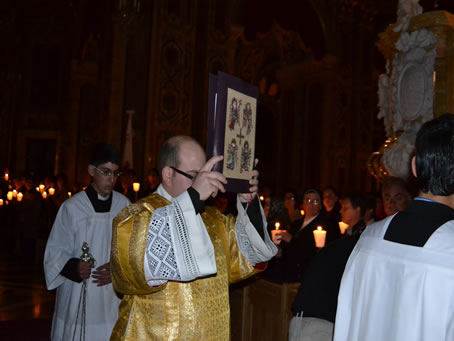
{"type": "Point", "coordinates": [173, 259]}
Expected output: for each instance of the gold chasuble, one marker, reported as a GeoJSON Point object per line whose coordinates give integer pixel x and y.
{"type": "Point", "coordinates": [197, 310]}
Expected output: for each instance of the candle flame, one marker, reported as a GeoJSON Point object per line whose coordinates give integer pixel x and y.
{"type": "Point", "coordinates": [262, 198]}
{"type": "Point", "coordinates": [319, 228]}
{"type": "Point", "coordinates": [302, 212]}
{"type": "Point", "coordinates": [277, 225]}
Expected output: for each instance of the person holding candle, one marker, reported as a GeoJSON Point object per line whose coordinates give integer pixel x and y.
{"type": "Point", "coordinates": [399, 280]}
{"type": "Point", "coordinates": [173, 258]}
{"type": "Point", "coordinates": [85, 217]}
{"type": "Point", "coordinates": [331, 205]}
{"type": "Point", "coordinates": [298, 245]}
{"type": "Point", "coordinates": [353, 208]}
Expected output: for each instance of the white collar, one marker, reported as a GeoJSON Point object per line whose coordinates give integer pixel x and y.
{"type": "Point", "coordinates": [163, 193]}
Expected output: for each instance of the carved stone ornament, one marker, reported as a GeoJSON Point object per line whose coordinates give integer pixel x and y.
{"type": "Point", "coordinates": [412, 78]}
{"type": "Point", "coordinates": [397, 155]}
{"type": "Point", "coordinates": [405, 94]}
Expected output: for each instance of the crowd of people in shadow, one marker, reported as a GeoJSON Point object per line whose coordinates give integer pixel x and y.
{"type": "Point", "coordinates": [319, 270]}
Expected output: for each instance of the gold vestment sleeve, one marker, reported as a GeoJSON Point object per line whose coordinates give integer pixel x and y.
{"type": "Point", "coordinates": [129, 241]}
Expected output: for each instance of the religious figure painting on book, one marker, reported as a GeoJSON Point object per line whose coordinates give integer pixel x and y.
{"type": "Point", "coordinates": [239, 143]}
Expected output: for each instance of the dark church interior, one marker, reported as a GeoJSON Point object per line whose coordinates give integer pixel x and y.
{"type": "Point", "coordinates": [74, 73]}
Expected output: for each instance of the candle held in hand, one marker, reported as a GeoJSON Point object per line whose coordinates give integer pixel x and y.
{"type": "Point", "coordinates": [342, 226]}
{"type": "Point", "coordinates": [320, 237]}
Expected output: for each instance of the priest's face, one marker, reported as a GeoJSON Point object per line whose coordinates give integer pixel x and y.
{"type": "Point", "coordinates": [191, 158]}
{"type": "Point", "coordinates": [104, 177]}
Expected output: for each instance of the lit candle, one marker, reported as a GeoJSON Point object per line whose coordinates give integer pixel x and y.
{"type": "Point", "coordinates": [9, 195]}
{"type": "Point", "coordinates": [302, 212]}
{"type": "Point", "coordinates": [277, 231]}
{"type": "Point", "coordinates": [44, 194]}
{"type": "Point", "coordinates": [69, 194]}
{"type": "Point", "coordinates": [262, 198]}
{"type": "Point", "coordinates": [6, 176]}
{"type": "Point", "coordinates": [1, 202]}
{"type": "Point", "coordinates": [319, 236]}
{"type": "Point", "coordinates": [51, 191]}
{"type": "Point", "coordinates": [14, 193]}
{"type": "Point", "coordinates": [136, 186]}
{"type": "Point", "coordinates": [342, 226]}
{"type": "Point", "coordinates": [19, 196]}
{"type": "Point", "coordinates": [37, 188]}
{"type": "Point", "coordinates": [41, 188]}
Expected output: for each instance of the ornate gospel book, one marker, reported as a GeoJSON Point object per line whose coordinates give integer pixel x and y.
{"type": "Point", "coordinates": [232, 114]}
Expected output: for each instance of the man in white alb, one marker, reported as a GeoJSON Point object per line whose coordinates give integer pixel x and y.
{"type": "Point", "coordinates": [399, 280]}
{"type": "Point", "coordinates": [85, 217]}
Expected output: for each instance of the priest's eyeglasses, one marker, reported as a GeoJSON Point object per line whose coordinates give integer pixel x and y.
{"type": "Point", "coordinates": [108, 172]}
{"type": "Point", "coordinates": [189, 176]}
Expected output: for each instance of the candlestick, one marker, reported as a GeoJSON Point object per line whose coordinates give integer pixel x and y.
{"type": "Point", "coordinates": [9, 195]}
{"type": "Point", "coordinates": [19, 196]}
{"type": "Point", "coordinates": [136, 186]}
{"type": "Point", "coordinates": [320, 237]}
{"type": "Point", "coordinates": [51, 191]}
{"type": "Point", "coordinates": [342, 226]}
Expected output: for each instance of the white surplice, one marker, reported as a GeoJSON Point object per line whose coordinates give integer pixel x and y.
{"type": "Point", "coordinates": [180, 228]}
{"type": "Point", "coordinates": [77, 222]}
{"type": "Point", "coordinates": [397, 292]}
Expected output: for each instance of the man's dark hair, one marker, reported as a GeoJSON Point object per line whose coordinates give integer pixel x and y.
{"type": "Point", "coordinates": [434, 152]}
{"type": "Point", "coordinates": [332, 189]}
{"type": "Point", "coordinates": [103, 153]}
{"type": "Point", "coordinates": [357, 200]}
{"type": "Point", "coordinates": [168, 156]}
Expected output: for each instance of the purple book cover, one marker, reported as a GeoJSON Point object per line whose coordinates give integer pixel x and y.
{"type": "Point", "coordinates": [232, 117]}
